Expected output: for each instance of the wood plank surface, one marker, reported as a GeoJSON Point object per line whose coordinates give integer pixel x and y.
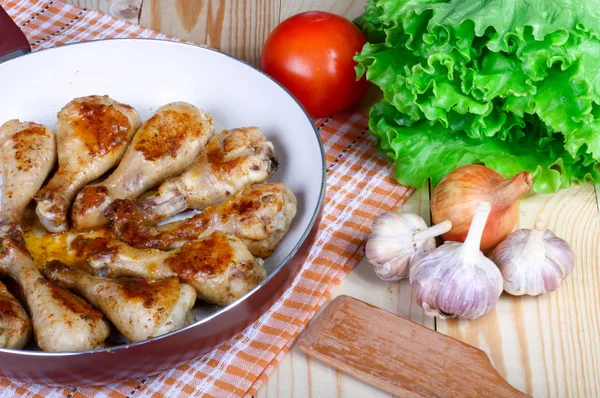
{"type": "Point", "coordinates": [237, 27]}
{"type": "Point", "coordinates": [348, 8]}
{"type": "Point", "coordinates": [128, 10]}
{"type": "Point", "coordinates": [549, 346]}
{"type": "Point", "coordinates": [597, 187]}
{"type": "Point", "coordinates": [546, 347]}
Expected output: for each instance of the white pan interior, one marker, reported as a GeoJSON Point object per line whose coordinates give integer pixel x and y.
{"type": "Point", "coordinates": [147, 74]}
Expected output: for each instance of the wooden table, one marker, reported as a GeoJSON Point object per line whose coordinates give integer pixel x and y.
{"type": "Point", "coordinates": [546, 346]}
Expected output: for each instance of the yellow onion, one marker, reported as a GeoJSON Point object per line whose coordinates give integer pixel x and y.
{"type": "Point", "coordinates": [457, 195]}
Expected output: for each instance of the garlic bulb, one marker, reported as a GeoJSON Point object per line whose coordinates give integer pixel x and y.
{"type": "Point", "coordinates": [395, 239]}
{"type": "Point", "coordinates": [456, 279]}
{"type": "Point", "coordinates": [534, 261]}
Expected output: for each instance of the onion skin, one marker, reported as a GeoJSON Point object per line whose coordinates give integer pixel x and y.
{"type": "Point", "coordinates": [457, 195]}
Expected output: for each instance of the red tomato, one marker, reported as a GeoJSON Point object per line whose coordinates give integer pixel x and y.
{"type": "Point", "coordinates": [311, 55]}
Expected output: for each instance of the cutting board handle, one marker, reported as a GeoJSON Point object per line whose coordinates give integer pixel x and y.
{"type": "Point", "coordinates": [399, 356]}
{"type": "Point", "coordinates": [12, 40]}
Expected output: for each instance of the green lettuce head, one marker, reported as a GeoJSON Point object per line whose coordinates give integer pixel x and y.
{"type": "Point", "coordinates": [511, 84]}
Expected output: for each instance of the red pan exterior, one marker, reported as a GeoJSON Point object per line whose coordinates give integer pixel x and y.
{"type": "Point", "coordinates": [161, 353]}
{"type": "Point", "coordinates": [12, 40]}
{"type": "Point", "coordinates": [157, 355]}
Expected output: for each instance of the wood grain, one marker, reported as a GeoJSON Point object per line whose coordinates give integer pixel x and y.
{"type": "Point", "coordinates": [597, 189]}
{"type": "Point", "coordinates": [237, 27]}
{"type": "Point", "coordinates": [348, 8]}
{"type": "Point", "coordinates": [128, 10]}
{"type": "Point", "coordinates": [549, 345]}
{"type": "Point", "coordinates": [397, 355]}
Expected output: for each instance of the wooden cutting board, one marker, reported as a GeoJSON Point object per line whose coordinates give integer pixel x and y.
{"type": "Point", "coordinates": [399, 356]}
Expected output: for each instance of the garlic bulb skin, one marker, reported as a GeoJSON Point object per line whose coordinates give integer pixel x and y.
{"type": "Point", "coordinates": [456, 279]}
{"type": "Point", "coordinates": [448, 284]}
{"type": "Point", "coordinates": [395, 239]}
{"type": "Point", "coordinates": [533, 261]}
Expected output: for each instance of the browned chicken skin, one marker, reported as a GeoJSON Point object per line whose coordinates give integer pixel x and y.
{"type": "Point", "coordinates": [219, 267]}
{"type": "Point", "coordinates": [259, 215]}
{"type": "Point", "coordinates": [233, 160]}
{"type": "Point", "coordinates": [15, 325]}
{"type": "Point", "coordinates": [138, 308]}
{"type": "Point", "coordinates": [164, 146]}
{"type": "Point", "coordinates": [27, 154]}
{"type": "Point", "coordinates": [211, 255]}
{"type": "Point", "coordinates": [61, 320]}
{"type": "Point", "coordinates": [92, 134]}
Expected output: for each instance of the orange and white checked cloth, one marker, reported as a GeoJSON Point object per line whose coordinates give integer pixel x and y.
{"type": "Point", "coordinates": [359, 186]}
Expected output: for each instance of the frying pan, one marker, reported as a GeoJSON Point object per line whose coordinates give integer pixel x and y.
{"type": "Point", "coordinates": [147, 74]}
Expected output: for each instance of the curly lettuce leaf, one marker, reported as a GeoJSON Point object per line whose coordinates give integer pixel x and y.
{"type": "Point", "coordinates": [425, 150]}
{"type": "Point", "coordinates": [506, 16]}
{"type": "Point", "coordinates": [499, 78]}
{"type": "Point", "coordinates": [370, 24]}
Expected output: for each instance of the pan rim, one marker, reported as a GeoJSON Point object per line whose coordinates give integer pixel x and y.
{"type": "Point", "coordinates": [281, 264]}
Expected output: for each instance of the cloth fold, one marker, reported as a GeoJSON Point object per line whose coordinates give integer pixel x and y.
{"type": "Point", "coordinates": [360, 185]}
